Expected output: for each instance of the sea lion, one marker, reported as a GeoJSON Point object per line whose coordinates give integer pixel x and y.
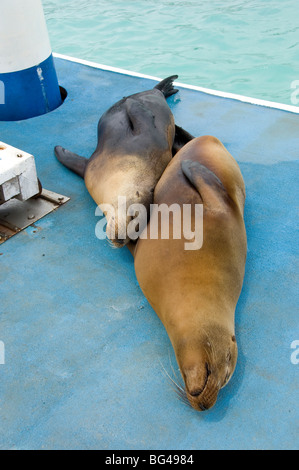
{"type": "Point", "coordinates": [195, 292]}
{"type": "Point", "coordinates": [135, 141]}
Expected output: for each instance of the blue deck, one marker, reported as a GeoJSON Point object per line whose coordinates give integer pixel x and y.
{"type": "Point", "coordinates": [83, 347]}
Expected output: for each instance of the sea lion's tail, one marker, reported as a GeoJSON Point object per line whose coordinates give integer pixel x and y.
{"type": "Point", "coordinates": [71, 160]}
{"type": "Point", "coordinates": [166, 86]}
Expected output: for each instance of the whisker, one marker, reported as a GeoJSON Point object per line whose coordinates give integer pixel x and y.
{"type": "Point", "coordinates": [211, 353]}
{"type": "Point", "coordinates": [172, 368]}
{"type": "Point", "coordinates": [170, 378]}
{"type": "Point", "coordinates": [180, 392]}
{"type": "Point", "coordinates": [111, 244]}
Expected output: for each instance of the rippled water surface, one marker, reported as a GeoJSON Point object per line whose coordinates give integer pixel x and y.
{"type": "Point", "coordinates": [248, 47]}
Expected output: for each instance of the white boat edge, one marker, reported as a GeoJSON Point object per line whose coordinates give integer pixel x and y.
{"type": "Point", "coordinates": [232, 96]}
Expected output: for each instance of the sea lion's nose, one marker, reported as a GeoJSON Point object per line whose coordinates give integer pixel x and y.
{"type": "Point", "coordinates": [196, 392]}
{"type": "Point", "coordinates": [120, 242]}
{"type": "Point", "coordinates": [196, 378]}
{"type": "Point", "coordinates": [201, 386]}
{"type": "Point", "coordinates": [202, 407]}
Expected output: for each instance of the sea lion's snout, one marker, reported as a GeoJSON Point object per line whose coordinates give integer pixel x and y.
{"type": "Point", "coordinates": [207, 366]}
{"type": "Point", "coordinates": [116, 234]}
{"type": "Point", "coordinates": [127, 220]}
{"type": "Point", "coordinates": [201, 387]}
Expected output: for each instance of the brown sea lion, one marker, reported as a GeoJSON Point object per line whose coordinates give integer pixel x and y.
{"type": "Point", "coordinates": [195, 291]}
{"type": "Point", "coordinates": [136, 138]}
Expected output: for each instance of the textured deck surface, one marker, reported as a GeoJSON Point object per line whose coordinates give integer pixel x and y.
{"type": "Point", "coordinates": [83, 347]}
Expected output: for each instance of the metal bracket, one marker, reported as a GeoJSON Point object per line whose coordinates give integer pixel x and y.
{"type": "Point", "coordinates": [16, 215]}
{"type": "Point", "coordinates": [18, 177]}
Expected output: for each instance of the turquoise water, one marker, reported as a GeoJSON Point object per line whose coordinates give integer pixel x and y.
{"type": "Point", "coordinates": [247, 47]}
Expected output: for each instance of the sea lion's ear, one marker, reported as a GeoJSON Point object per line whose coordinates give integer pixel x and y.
{"type": "Point", "coordinates": [207, 184]}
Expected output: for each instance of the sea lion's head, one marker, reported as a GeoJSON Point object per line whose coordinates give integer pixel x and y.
{"type": "Point", "coordinates": [135, 140]}
{"type": "Point", "coordinates": [207, 362]}
{"type": "Point", "coordinates": [128, 215]}
{"type": "Point", "coordinates": [129, 187]}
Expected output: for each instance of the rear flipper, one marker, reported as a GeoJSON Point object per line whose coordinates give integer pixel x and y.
{"type": "Point", "coordinates": [71, 160]}
{"type": "Point", "coordinates": [181, 138]}
{"type": "Point", "coordinates": [207, 184]}
{"type": "Point", "coordinates": [166, 86]}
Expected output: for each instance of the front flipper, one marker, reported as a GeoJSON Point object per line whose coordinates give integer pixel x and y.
{"type": "Point", "coordinates": [71, 160]}
{"type": "Point", "coordinates": [181, 138]}
{"type": "Point", "coordinates": [207, 184]}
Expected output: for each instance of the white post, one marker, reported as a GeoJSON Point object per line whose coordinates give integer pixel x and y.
{"type": "Point", "coordinates": [28, 80]}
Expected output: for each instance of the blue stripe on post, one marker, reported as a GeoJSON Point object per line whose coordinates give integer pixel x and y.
{"type": "Point", "coordinates": [31, 92]}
